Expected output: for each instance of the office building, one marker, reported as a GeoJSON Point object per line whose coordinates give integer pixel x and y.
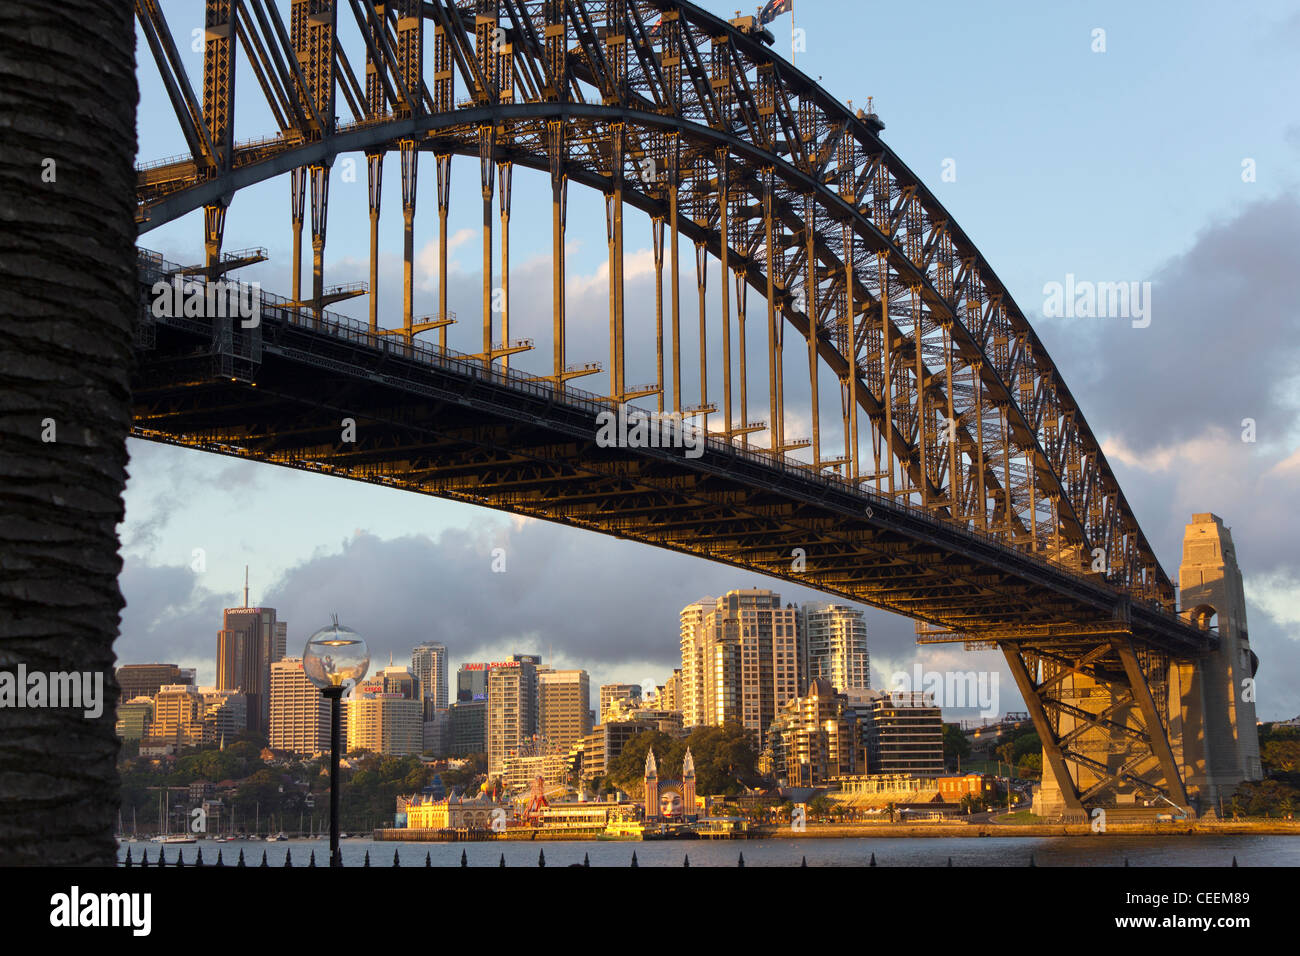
{"type": "Point", "coordinates": [177, 715]}
{"type": "Point", "coordinates": [668, 721]}
{"type": "Point", "coordinates": [134, 717]}
{"type": "Point", "coordinates": [468, 727]}
{"type": "Point", "coordinates": [835, 645]}
{"type": "Point", "coordinates": [564, 706]}
{"type": "Point", "coordinates": [248, 643]}
{"type": "Point", "coordinates": [740, 659]}
{"type": "Point", "coordinates": [299, 712]}
{"type": "Point", "coordinates": [612, 692]}
{"type": "Point", "coordinates": [591, 755]}
{"type": "Point", "coordinates": [471, 682]}
{"type": "Point", "coordinates": [280, 645]}
{"type": "Point", "coordinates": [224, 714]}
{"type": "Point", "coordinates": [393, 680]}
{"type": "Point", "coordinates": [437, 730]}
{"type": "Point", "coordinates": [429, 665]}
{"type": "Point", "coordinates": [385, 724]}
{"type": "Point", "coordinates": [145, 680]}
{"type": "Point", "coordinates": [904, 734]}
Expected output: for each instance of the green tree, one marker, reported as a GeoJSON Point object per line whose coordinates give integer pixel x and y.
{"type": "Point", "coordinates": [819, 807]}
{"type": "Point", "coordinates": [956, 745]}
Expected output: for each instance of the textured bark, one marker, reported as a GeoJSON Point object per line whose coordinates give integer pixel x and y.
{"type": "Point", "coordinates": [67, 277]}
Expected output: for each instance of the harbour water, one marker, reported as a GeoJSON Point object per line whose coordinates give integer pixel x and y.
{"type": "Point", "coordinates": [1210, 850]}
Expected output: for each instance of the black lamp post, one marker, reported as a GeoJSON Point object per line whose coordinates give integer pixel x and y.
{"type": "Point", "coordinates": [335, 659]}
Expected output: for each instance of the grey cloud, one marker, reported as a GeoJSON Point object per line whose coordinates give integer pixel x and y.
{"type": "Point", "coordinates": [590, 600]}
{"type": "Point", "coordinates": [1222, 345]}
{"type": "Point", "coordinates": [169, 616]}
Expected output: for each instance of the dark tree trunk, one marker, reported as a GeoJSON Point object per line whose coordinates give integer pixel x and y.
{"type": "Point", "coordinates": [67, 279]}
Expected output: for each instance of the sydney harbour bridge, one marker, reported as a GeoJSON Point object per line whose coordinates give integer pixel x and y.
{"type": "Point", "coordinates": [958, 484]}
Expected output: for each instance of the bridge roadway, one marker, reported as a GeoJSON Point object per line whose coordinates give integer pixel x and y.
{"type": "Point", "coordinates": [439, 423]}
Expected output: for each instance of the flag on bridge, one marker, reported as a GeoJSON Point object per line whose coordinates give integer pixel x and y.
{"type": "Point", "coordinates": [774, 9]}
{"type": "Point", "coordinates": [656, 28]}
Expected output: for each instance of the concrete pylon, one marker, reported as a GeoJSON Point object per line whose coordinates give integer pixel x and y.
{"type": "Point", "coordinates": [1212, 702]}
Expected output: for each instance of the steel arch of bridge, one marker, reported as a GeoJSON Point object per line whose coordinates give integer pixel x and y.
{"type": "Point", "coordinates": [698, 123]}
{"type": "Point", "coordinates": [705, 101]}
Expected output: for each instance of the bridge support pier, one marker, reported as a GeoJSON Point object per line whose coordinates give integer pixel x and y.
{"type": "Point", "coordinates": [1126, 724]}
{"type": "Point", "coordinates": [1212, 701]}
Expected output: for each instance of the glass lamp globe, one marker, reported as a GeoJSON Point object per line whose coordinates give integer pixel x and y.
{"type": "Point", "coordinates": [335, 655]}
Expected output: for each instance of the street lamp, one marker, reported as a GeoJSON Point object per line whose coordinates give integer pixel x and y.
{"type": "Point", "coordinates": [335, 658]}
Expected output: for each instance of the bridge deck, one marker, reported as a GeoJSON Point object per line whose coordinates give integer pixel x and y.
{"type": "Point", "coordinates": [441, 424]}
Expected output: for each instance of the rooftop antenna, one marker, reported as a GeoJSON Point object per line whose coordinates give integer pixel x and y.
{"type": "Point", "coordinates": [245, 585]}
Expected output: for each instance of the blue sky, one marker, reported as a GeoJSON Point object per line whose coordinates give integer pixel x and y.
{"type": "Point", "coordinates": [1122, 165]}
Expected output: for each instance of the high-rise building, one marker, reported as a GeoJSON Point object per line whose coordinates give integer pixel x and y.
{"type": "Point", "coordinates": [177, 715]}
{"type": "Point", "coordinates": [248, 643]}
{"type": "Point", "coordinates": [815, 737]}
{"type": "Point", "coordinates": [134, 717]}
{"type": "Point", "coordinates": [280, 647]}
{"type": "Point", "coordinates": [468, 728]}
{"type": "Point", "coordinates": [740, 659]}
{"type": "Point", "coordinates": [835, 641]}
{"type": "Point", "coordinates": [394, 680]}
{"type": "Point", "coordinates": [437, 729]}
{"type": "Point", "coordinates": [385, 724]}
{"type": "Point", "coordinates": [145, 680]}
{"type": "Point", "coordinates": [672, 694]}
{"type": "Point", "coordinates": [612, 692]}
{"type": "Point", "coordinates": [299, 712]}
{"type": "Point", "coordinates": [511, 709]}
{"type": "Point", "coordinates": [471, 682]}
{"type": "Point", "coordinates": [592, 754]}
{"type": "Point", "coordinates": [224, 714]}
{"type": "Point", "coordinates": [429, 665]}
{"type": "Point", "coordinates": [691, 702]}
{"type": "Point", "coordinates": [904, 734]}
{"type": "Point", "coordinates": [564, 706]}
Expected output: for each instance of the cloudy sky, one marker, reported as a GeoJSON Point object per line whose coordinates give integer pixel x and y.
{"type": "Point", "coordinates": [1169, 157]}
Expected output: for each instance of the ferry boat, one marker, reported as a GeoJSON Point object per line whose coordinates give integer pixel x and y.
{"type": "Point", "coordinates": [623, 830]}
{"type": "Point", "coordinates": [725, 828]}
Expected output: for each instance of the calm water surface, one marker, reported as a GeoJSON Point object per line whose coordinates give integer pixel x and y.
{"type": "Point", "coordinates": [1189, 850]}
